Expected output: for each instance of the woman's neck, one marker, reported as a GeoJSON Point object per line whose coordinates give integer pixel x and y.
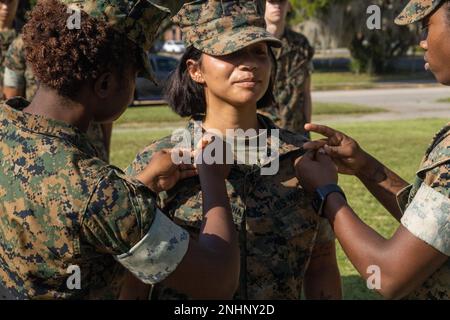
{"type": "Point", "coordinates": [277, 29]}
{"type": "Point", "coordinates": [48, 103]}
{"type": "Point", "coordinates": [224, 116]}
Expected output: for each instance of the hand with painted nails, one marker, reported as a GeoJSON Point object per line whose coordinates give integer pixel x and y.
{"type": "Point", "coordinates": [346, 153]}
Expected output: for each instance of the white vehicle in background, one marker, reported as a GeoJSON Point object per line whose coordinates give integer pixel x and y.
{"type": "Point", "coordinates": [173, 46]}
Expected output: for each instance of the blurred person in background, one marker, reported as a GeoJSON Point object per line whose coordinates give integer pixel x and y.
{"type": "Point", "coordinates": [292, 88]}
{"type": "Point", "coordinates": [8, 32]}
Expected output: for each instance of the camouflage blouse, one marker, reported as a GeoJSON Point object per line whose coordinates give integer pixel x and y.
{"type": "Point", "coordinates": [277, 225]}
{"type": "Point", "coordinates": [63, 209]}
{"type": "Point", "coordinates": [426, 207]}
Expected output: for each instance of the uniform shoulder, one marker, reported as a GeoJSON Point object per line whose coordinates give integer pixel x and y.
{"type": "Point", "coordinates": [144, 156]}
{"type": "Point", "coordinates": [295, 139]}
{"type": "Point", "coordinates": [286, 136]}
{"type": "Point", "coordinates": [296, 38]}
{"type": "Point", "coordinates": [15, 56]}
{"type": "Point", "coordinates": [297, 44]}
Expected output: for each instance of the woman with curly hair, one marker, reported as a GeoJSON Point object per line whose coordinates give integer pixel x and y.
{"type": "Point", "coordinates": [72, 225]}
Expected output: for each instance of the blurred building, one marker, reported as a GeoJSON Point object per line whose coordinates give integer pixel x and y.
{"type": "Point", "coordinates": [172, 33]}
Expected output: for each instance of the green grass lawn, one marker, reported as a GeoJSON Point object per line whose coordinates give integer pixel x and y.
{"type": "Point", "coordinates": [349, 80]}
{"type": "Point", "coordinates": [162, 116]}
{"type": "Point", "coordinates": [331, 80]}
{"type": "Point", "coordinates": [446, 100]}
{"type": "Point", "coordinates": [158, 114]}
{"type": "Point", "coordinates": [328, 109]}
{"type": "Point", "coordinates": [399, 144]}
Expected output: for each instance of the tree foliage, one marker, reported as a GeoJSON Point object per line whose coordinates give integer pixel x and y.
{"type": "Point", "coordinates": [310, 8]}
{"type": "Point", "coordinates": [346, 20]}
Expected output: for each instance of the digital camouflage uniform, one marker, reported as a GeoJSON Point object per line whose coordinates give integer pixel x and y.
{"type": "Point", "coordinates": [426, 207]}
{"type": "Point", "coordinates": [6, 37]}
{"type": "Point", "coordinates": [278, 228]}
{"type": "Point", "coordinates": [426, 203]}
{"type": "Point", "coordinates": [61, 206]}
{"type": "Point", "coordinates": [18, 74]}
{"type": "Point", "coordinates": [294, 66]}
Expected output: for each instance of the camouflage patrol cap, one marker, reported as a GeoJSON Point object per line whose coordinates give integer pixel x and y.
{"type": "Point", "coordinates": [221, 27]}
{"type": "Point", "coordinates": [417, 10]}
{"type": "Point", "coordinates": [138, 20]}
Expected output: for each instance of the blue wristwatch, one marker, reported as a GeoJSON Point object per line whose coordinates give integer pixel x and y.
{"type": "Point", "coordinates": [321, 194]}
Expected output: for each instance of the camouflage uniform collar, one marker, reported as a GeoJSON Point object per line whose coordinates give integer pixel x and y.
{"type": "Point", "coordinates": [430, 161]}
{"type": "Point", "coordinates": [442, 134]}
{"type": "Point", "coordinates": [434, 157]}
{"type": "Point", "coordinates": [288, 142]}
{"type": "Point", "coordinates": [12, 112]}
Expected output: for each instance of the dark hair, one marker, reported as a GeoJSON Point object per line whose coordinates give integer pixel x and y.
{"type": "Point", "coordinates": [63, 59]}
{"type": "Point", "coordinates": [187, 97]}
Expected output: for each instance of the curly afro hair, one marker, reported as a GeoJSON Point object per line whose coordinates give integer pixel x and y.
{"type": "Point", "coordinates": [63, 59]}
